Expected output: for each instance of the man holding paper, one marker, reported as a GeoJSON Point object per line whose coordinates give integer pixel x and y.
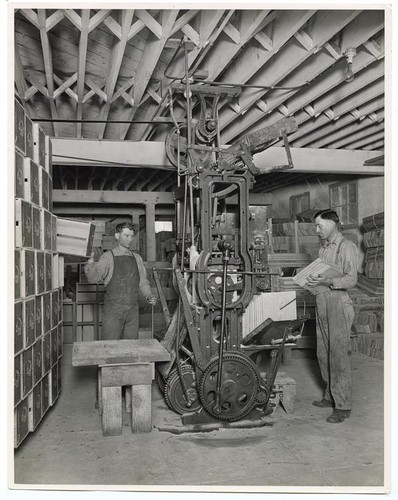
{"type": "Point", "coordinates": [335, 314]}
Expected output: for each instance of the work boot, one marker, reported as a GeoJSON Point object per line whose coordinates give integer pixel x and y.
{"type": "Point", "coordinates": [338, 416]}
{"type": "Point", "coordinates": [323, 403]}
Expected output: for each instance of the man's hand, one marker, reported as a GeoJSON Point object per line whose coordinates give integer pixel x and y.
{"type": "Point", "coordinates": [319, 280]}
{"type": "Point", "coordinates": [91, 259]}
{"type": "Point", "coordinates": [152, 299]}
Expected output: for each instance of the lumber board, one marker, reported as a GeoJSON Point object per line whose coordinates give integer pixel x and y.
{"type": "Point", "coordinates": [102, 352]}
{"type": "Point", "coordinates": [111, 411]}
{"type": "Point", "coordinates": [129, 374]}
{"type": "Point", "coordinates": [141, 411]}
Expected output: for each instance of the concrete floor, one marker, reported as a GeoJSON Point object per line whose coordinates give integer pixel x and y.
{"type": "Point", "coordinates": [299, 449]}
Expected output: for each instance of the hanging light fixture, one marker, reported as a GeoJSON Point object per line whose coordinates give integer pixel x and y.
{"type": "Point", "coordinates": [349, 54]}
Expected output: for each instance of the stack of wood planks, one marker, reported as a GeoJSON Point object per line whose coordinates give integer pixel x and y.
{"type": "Point", "coordinates": [373, 241]}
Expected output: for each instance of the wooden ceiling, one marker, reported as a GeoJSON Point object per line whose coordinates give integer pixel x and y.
{"type": "Point", "coordinates": [112, 66]}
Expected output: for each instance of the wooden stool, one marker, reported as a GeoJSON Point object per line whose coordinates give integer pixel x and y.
{"type": "Point", "coordinates": [122, 363]}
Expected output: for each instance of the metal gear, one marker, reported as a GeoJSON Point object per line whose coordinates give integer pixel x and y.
{"type": "Point", "coordinates": [240, 386]}
{"type": "Point", "coordinates": [174, 394]}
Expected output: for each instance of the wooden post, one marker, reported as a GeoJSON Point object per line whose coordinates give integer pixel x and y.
{"type": "Point", "coordinates": [141, 414]}
{"type": "Point", "coordinates": [296, 237]}
{"type": "Point", "coordinates": [135, 220]}
{"type": "Point", "coordinates": [150, 231]}
{"type": "Point", "coordinates": [112, 411]}
{"type": "Point", "coordinates": [127, 396]}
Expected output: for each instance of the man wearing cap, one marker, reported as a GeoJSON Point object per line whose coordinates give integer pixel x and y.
{"type": "Point", "coordinates": [335, 314]}
{"type": "Point", "coordinates": [123, 274]}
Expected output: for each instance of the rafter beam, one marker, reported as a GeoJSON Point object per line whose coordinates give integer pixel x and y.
{"type": "Point", "coordinates": [74, 18]}
{"type": "Point", "coordinates": [114, 197]}
{"type": "Point", "coordinates": [320, 62]}
{"type": "Point", "coordinates": [65, 86]}
{"type": "Point", "coordinates": [359, 134]}
{"type": "Point", "coordinates": [321, 127]}
{"type": "Point", "coordinates": [68, 90]}
{"type": "Point", "coordinates": [150, 22]}
{"type": "Point", "coordinates": [54, 19]}
{"type": "Point", "coordinates": [81, 67]}
{"type": "Point", "coordinates": [210, 27]}
{"type": "Point", "coordinates": [19, 75]}
{"type": "Point", "coordinates": [98, 18]}
{"type": "Point", "coordinates": [114, 69]}
{"type": "Point", "coordinates": [366, 140]}
{"type": "Point", "coordinates": [343, 132]}
{"type": "Point", "coordinates": [328, 161]}
{"type": "Point", "coordinates": [148, 62]}
{"type": "Point", "coordinates": [48, 66]}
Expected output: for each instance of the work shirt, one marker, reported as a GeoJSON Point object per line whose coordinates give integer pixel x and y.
{"type": "Point", "coordinates": [102, 271]}
{"type": "Point", "coordinates": [344, 253]}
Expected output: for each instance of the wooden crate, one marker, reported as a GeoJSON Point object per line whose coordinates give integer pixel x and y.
{"type": "Point", "coordinates": [54, 345]}
{"type": "Point", "coordinates": [54, 384]}
{"type": "Point", "coordinates": [28, 272]}
{"type": "Point", "coordinates": [48, 280]}
{"type": "Point", "coordinates": [46, 353]}
{"type": "Point", "coordinates": [40, 272]}
{"type": "Point", "coordinates": [39, 153]}
{"type": "Point", "coordinates": [17, 274]}
{"type": "Point", "coordinates": [46, 229]}
{"type": "Point", "coordinates": [48, 155]}
{"type": "Point", "coordinates": [28, 137]}
{"type": "Point", "coordinates": [50, 194]}
{"type": "Point", "coordinates": [31, 181]}
{"type": "Point", "coordinates": [36, 228]}
{"type": "Point", "coordinates": [23, 224]}
{"type": "Point", "coordinates": [19, 185]}
{"type": "Point", "coordinates": [46, 307]}
{"type": "Point", "coordinates": [35, 408]}
{"type": "Point", "coordinates": [21, 422]}
{"type": "Point", "coordinates": [89, 293]}
{"type": "Point", "coordinates": [27, 371]}
{"type": "Point", "coordinates": [55, 268]}
{"type": "Point", "coordinates": [39, 316]}
{"type": "Point", "coordinates": [37, 361]}
{"type": "Point", "coordinates": [29, 313]}
{"type": "Point", "coordinates": [18, 327]}
{"type": "Point", "coordinates": [19, 127]}
{"type": "Point", "coordinates": [45, 393]}
{"type": "Point", "coordinates": [54, 308]}
{"type": "Point", "coordinates": [75, 237]}
{"type": "Point", "coordinates": [60, 300]}
{"type": "Point", "coordinates": [61, 270]}
{"type": "Point", "coordinates": [17, 379]}
{"type": "Point", "coordinates": [60, 340]}
{"type": "Point", "coordinates": [54, 232]}
{"type": "Point", "coordinates": [44, 189]}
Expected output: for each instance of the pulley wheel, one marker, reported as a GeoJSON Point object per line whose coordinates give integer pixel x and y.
{"type": "Point", "coordinates": [176, 146]}
{"type": "Point", "coordinates": [240, 384]}
{"type": "Point", "coordinates": [174, 393]}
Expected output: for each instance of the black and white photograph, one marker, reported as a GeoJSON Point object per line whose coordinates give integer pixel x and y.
{"type": "Point", "coordinates": [199, 227]}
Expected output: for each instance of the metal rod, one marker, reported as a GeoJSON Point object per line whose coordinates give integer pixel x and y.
{"type": "Point", "coordinates": [60, 120]}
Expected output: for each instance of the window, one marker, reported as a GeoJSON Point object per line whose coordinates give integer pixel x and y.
{"type": "Point", "coordinates": [343, 198]}
{"type": "Point", "coordinates": [299, 203]}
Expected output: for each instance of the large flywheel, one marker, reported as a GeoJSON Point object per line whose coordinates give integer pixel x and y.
{"type": "Point", "coordinates": [240, 386]}
{"type": "Point", "coordinates": [174, 393]}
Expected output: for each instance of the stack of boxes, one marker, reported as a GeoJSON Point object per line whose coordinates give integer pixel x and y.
{"type": "Point", "coordinates": [38, 337]}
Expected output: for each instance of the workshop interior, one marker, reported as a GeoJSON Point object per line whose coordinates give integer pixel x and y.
{"type": "Point", "coordinates": [218, 134]}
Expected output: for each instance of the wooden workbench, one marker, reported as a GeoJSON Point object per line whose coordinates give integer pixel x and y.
{"type": "Point", "coordinates": [122, 363]}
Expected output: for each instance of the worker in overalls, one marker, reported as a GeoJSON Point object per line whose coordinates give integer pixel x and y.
{"type": "Point", "coordinates": [123, 274]}
{"type": "Point", "coordinates": [335, 314]}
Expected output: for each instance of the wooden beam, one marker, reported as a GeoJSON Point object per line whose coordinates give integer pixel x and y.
{"type": "Point", "coordinates": [19, 74]}
{"type": "Point", "coordinates": [150, 231]}
{"type": "Point", "coordinates": [359, 134]}
{"type": "Point", "coordinates": [65, 85]}
{"type": "Point", "coordinates": [88, 152]}
{"type": "Point", "coordinates": [331, 140]}
{"type": "Point", "coordinates": [375, 145]}
{"type": "Point", "coordinates": [365, 141]}
{"type": "Point", "coordinates": [68, 90]}
{"type": "Point", "coordinates": [148, 62]}
{"type": "Point", "coordinates": [48, 66]}
{"type": "Point", "coordinates": [326, 161]}
{"type": "Point", "coordinates": [98, 18]}
{"type": "Point", "coordinates": [31, 16]}
{"type": "Point", "coordinates": [74, 18]}
{"type": "Point", "coordinates": [54, 19]}
{"type": "Point", "coordinates": [113, 26]}
{"type": "Point", "coordinates": [114, 197]}
{"type": "Point", "coordinates": [150, 22]}
{"type": "Point", "coordinates": [88, 210]}
{"type": "Point", "coordinates": [81, 68]}
{"type": "Point", "coordinates": [210, 28]}
{"type": "Point", "coordinates": [316, 129]}
{"type": "Point", "coordinates": [115, 64]}
{"type": "Point", "coordinates": [328, 24]}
